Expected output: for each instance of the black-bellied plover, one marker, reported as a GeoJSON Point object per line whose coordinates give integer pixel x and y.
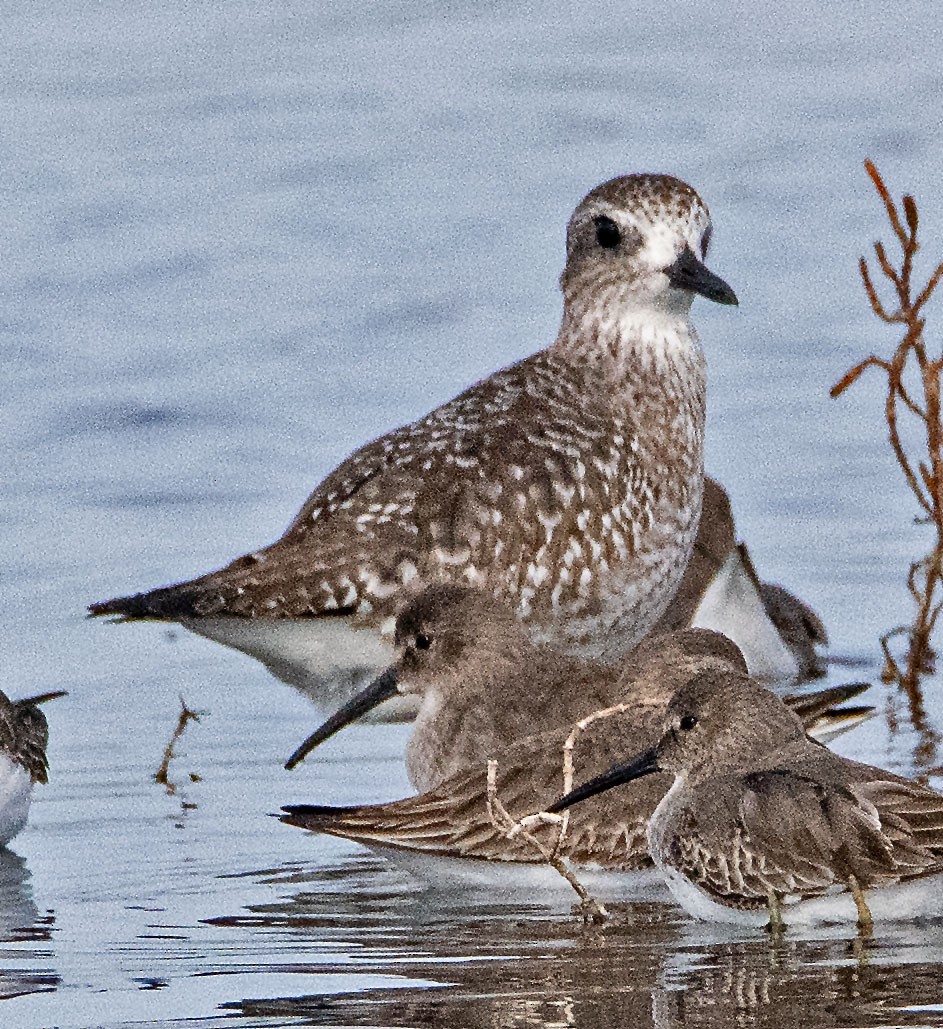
{"type": "Point", "coordinates": [452, 820]}
{"type": "Point", "coordinates": [568, 485]}
{"type": "Point", "coordinates": [779, 634]}
{"type": "Point", "coordinates": [762, 823]}
{"type": "Point", "coordinates": [23, 738]}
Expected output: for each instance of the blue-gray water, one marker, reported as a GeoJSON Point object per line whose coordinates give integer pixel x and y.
{"type": "Point", "coordinates": [241, 239]}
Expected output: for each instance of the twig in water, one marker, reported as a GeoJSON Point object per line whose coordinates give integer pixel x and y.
{"type": "Point", "coordinates": [501, 819]}
{"type": "Point", "coordinates": [186, 716]}
{"type": "Point", "coordinates": [591, 910]}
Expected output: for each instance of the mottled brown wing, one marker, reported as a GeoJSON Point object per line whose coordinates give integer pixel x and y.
{"type": "Point", "coordinates": [429, 499]}
{"type": "Point", "coordinates": [779, 830]}
{"type": "Point", "coordinates": [453, 819]}
{"type": "Point", "coordinates": [24, 732]}
{"type": "Point", "coordinates": [911, 820]}
{"type": "Point", "coordinates": [32, 738]}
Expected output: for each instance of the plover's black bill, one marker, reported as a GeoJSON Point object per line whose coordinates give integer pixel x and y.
{"type": "Point", "coordinates": [690, 273]}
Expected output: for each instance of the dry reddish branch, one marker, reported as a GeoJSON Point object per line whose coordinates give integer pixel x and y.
{"type": "Point", "coordinates": [924, 475]}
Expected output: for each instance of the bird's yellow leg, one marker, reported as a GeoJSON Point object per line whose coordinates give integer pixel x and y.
{"type": "Point", "coordinates": [865, 921]}
{"type": "Point", "coordinates": [776, 924]}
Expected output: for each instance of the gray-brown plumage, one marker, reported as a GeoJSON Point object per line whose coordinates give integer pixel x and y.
{"type": "Point", "coordinates": [568, 485]}
{"type": "Point", "coordinates": [778, 633]}
{"type": "Point", "coordinates": [761, 818]}
{"type": "Point", "coordinates": [483, 683]}
{"type": "Point", "coordinates": [452, 819]}
{"type": "Point", "coordinates": [24, 733]}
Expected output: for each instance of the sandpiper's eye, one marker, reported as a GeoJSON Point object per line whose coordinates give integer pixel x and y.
{"type": "Point", "coordinates": [608, 235]}
{"type": "Point", "coordinates": [687, 722]}
{"type": "Point", "coordinates": [706, 241]}
{"type": "Point", "coordinates": [423, 642]}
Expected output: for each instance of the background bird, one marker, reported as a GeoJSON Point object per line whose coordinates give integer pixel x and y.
{"type": "Point", "coordinates": [780, 636]}
{"type": "Point", "coordinates": [23, 738]}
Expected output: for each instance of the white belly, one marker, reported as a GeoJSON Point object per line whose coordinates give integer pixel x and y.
{"type": "Point", "coordinates": [16, 789]}
{"type": "Point", "coordinates": [917, 899]}
{"type": "Point", "coordinates": [327, 659]}
{"type": "Point", "coordinates": [511, 877]}
{"type": "Point", "coordinates": [732, 605]}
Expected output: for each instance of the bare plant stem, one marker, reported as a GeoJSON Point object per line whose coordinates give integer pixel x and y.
{"type": "Point", "coordinates": [590, 908]}
{"type": "Point", "coordinates": [923, 473]}
{"type": "Point", "coordinates": [185, 717]}
{"type": "Point", "coordinates": [502, 820]}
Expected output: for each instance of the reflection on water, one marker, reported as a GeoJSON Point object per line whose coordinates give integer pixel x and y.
{"type": "Point", "coordinates": [507, 966]}
{"type": "Point", "coordinates": [908, 721]}
{"type": "Point", "coordinates": [25, 935]}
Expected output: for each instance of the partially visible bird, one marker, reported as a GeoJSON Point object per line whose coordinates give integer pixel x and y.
{"type": "Point", "coordinates": [567, 485]}
{"type": "Point", "coordinates": [23, 738]}
{"type": "Point", "coordinates": [779, 634]}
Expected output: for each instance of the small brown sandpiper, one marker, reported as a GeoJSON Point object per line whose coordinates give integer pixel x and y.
{"type": "Point", "coordinates": [762, 824]}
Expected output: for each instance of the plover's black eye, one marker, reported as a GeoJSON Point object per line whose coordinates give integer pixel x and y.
{"type": "Point", "coordinates": [706, 241]}
{"type": "Point", "coordinates": [608, 235]}
{"type": "Point", "coordinates": [687, 722]}
{"type": "Point", "coordinates": [423, 642]}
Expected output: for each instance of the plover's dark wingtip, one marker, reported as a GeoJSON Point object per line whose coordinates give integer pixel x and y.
{"type": "Point", "coordinates": [119, 608]}
{"type": "Point", "coordinates": [166, 603]}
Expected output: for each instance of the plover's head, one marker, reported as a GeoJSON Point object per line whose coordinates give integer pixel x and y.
{"type": "Point", "coordinates": [641, 241]}
{"type": "Point", "coordinates": [450, 638]}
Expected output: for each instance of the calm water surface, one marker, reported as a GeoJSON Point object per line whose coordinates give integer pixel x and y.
{"type": "Point", "coordinates": [239, 241]}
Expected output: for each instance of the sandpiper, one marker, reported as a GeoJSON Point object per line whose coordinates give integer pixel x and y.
{"type": "Point", "coordinates": [452, 820]}
{"type": "Point", "coordinates": [484, 683]}
{"type": "Point", "coordinates": [762, 823]}
{"type": "Point", "coordinates": [779, 634]}
{"type": "Point", "coordinates": [568, 485]}
{"type": "Point", "coordinates": [23, 738]}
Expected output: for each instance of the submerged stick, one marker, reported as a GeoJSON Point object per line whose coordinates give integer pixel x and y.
{"type": "Point", "coordinates": [185, 717]}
